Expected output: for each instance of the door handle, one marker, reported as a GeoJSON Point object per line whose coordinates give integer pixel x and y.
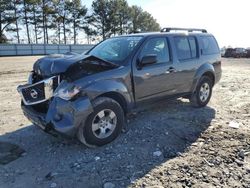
{"type": "Point", "coordinates": [170, 70]}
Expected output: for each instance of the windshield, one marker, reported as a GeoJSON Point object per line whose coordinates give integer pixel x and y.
{"type": "Point", "coordinates": [115, 49]}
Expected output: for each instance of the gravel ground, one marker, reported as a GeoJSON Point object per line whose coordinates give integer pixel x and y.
{"type": "Point", "coordinates": [168, 145]}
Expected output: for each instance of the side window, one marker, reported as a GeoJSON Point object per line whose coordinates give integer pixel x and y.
{"type": "Point", "coordinates": [209, 45]}
{"type": "Point", "coordinates": [193, 47]}
{"type": "Point", "coordinates": [182, 48]}
{"type": "Point", "coordinates": [158, 47]}
{"type": "Point", "coordinates": [186, 47]}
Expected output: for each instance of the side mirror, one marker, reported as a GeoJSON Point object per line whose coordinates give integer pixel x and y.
{"type": "Point", "coordinates": [148, 60]}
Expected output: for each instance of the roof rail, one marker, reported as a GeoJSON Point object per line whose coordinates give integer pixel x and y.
{"type": "Point", "coordinates": [168, 29]}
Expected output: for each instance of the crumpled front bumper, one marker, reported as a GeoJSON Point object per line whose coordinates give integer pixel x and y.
{"type": "Point", "coordinates": [62, 116]}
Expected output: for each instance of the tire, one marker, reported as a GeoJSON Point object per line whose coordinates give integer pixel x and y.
{"type": "Point", "coordinates": [203, 92]}
{"type": "Point", "coordinates": [103, 125]}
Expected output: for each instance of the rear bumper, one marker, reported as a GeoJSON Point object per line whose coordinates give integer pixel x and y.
{"type": "Point", "coordinates": [62, 116]}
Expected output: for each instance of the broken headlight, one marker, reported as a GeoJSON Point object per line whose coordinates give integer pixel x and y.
{"type": "Point", "coordinates": [67, 91]}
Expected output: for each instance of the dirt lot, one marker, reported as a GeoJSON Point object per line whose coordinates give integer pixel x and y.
{"type": "Point", "coordinates": [168, 145]}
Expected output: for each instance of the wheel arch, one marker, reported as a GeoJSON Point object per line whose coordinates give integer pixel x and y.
{"type": "Point", "coordinates": [205, 70]}
{"type": "Point", "coordinates": [118, 98]}
{"type": "Point", "coordinates": [210, 75]}
{"type": "Point", "coordinates": [114, 89]}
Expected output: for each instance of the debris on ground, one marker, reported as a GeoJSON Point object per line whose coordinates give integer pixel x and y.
{"type": "Point", "coordinates": [234, 125]}
{"type": "Point", "coordinates": [9, 152]}
{"type": "Point", "coordinates": [157, 153]}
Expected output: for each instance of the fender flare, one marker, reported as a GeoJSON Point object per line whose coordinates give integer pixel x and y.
{"type": "Point", "coordinates": [205, 69]}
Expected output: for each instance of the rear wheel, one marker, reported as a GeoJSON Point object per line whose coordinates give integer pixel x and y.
{"type": "Point", "coordinates": [203, 92]}
{"type": "Point", "coordinates": [104, 124]}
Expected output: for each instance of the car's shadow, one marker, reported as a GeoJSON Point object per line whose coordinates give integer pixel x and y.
{"type": "Point", "coordinates": [154, 136]}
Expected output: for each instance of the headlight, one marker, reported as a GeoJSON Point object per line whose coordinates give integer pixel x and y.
{"type": "Point", "coordinates": [67, 93]}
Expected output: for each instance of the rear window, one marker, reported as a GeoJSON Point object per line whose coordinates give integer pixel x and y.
{"type": "Point", "coordinates": [209, 45]}
{"type": "Point", "coordinates": [186, 47]}
{"type": "Point", "coordinates": [193, 47]}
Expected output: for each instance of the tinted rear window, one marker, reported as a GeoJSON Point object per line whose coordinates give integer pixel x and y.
{"type": "Point", "coordinates": [193, 46]}
{"type": "Point", "coordinates": [183, 49]}
{"type": "Point", "coordinates": [209, 45]}
{"type": "Point", "coordinates": [186, 47]}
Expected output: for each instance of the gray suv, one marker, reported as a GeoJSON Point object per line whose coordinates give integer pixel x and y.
{"type": "Point", "coordinates": [89, 95]}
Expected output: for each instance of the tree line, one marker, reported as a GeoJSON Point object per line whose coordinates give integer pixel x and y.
{"type": "Point", "coordinates": [61, 21]}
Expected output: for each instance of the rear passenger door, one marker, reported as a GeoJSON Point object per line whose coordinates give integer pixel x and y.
{"type": "Point", "coordinates": [186, 61]}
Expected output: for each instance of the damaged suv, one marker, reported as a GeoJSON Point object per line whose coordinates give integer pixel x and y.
{"type": "Point", "coordinates": [89, 95]}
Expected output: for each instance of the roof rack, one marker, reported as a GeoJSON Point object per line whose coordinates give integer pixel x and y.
{"type": "Point", "coordinates": [168, 29]}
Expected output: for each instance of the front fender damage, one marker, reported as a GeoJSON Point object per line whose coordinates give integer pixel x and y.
{"type": "Point", "coordinates": [66, 116]}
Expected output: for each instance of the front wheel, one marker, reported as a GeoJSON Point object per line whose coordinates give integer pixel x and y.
{"type": "Point", "coordinates": [202, 93]}
{"type": "Point", "coordinates": [104, 124]}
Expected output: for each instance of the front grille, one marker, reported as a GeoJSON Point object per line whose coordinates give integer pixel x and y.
{"type": "Point", "coordinates": [34, 93]}
{"type": "Point", "coordinates": [39, 92]}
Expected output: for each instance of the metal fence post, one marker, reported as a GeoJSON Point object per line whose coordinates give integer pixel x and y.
{"type": "Point", "coordinates": [31, 46]}
{"type": "Point", "coordinates": [44, 48]}
{"type": "Point", "coordinates": [16, 49]}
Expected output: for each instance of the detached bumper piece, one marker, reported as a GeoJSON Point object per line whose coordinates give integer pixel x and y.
{"type": "Point", "coordinates": [62, 116]}
{"type": "Point", "coordinates": [35, 117]}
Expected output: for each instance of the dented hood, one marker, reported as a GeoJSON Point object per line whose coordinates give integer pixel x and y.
{"type": "Point", "coordinates": [59, 63]}
{"type": "Point", "coordinates": [56, 63]}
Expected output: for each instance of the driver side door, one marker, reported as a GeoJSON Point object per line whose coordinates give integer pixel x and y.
{"type": "Point", "coordinates": [154, 80]}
